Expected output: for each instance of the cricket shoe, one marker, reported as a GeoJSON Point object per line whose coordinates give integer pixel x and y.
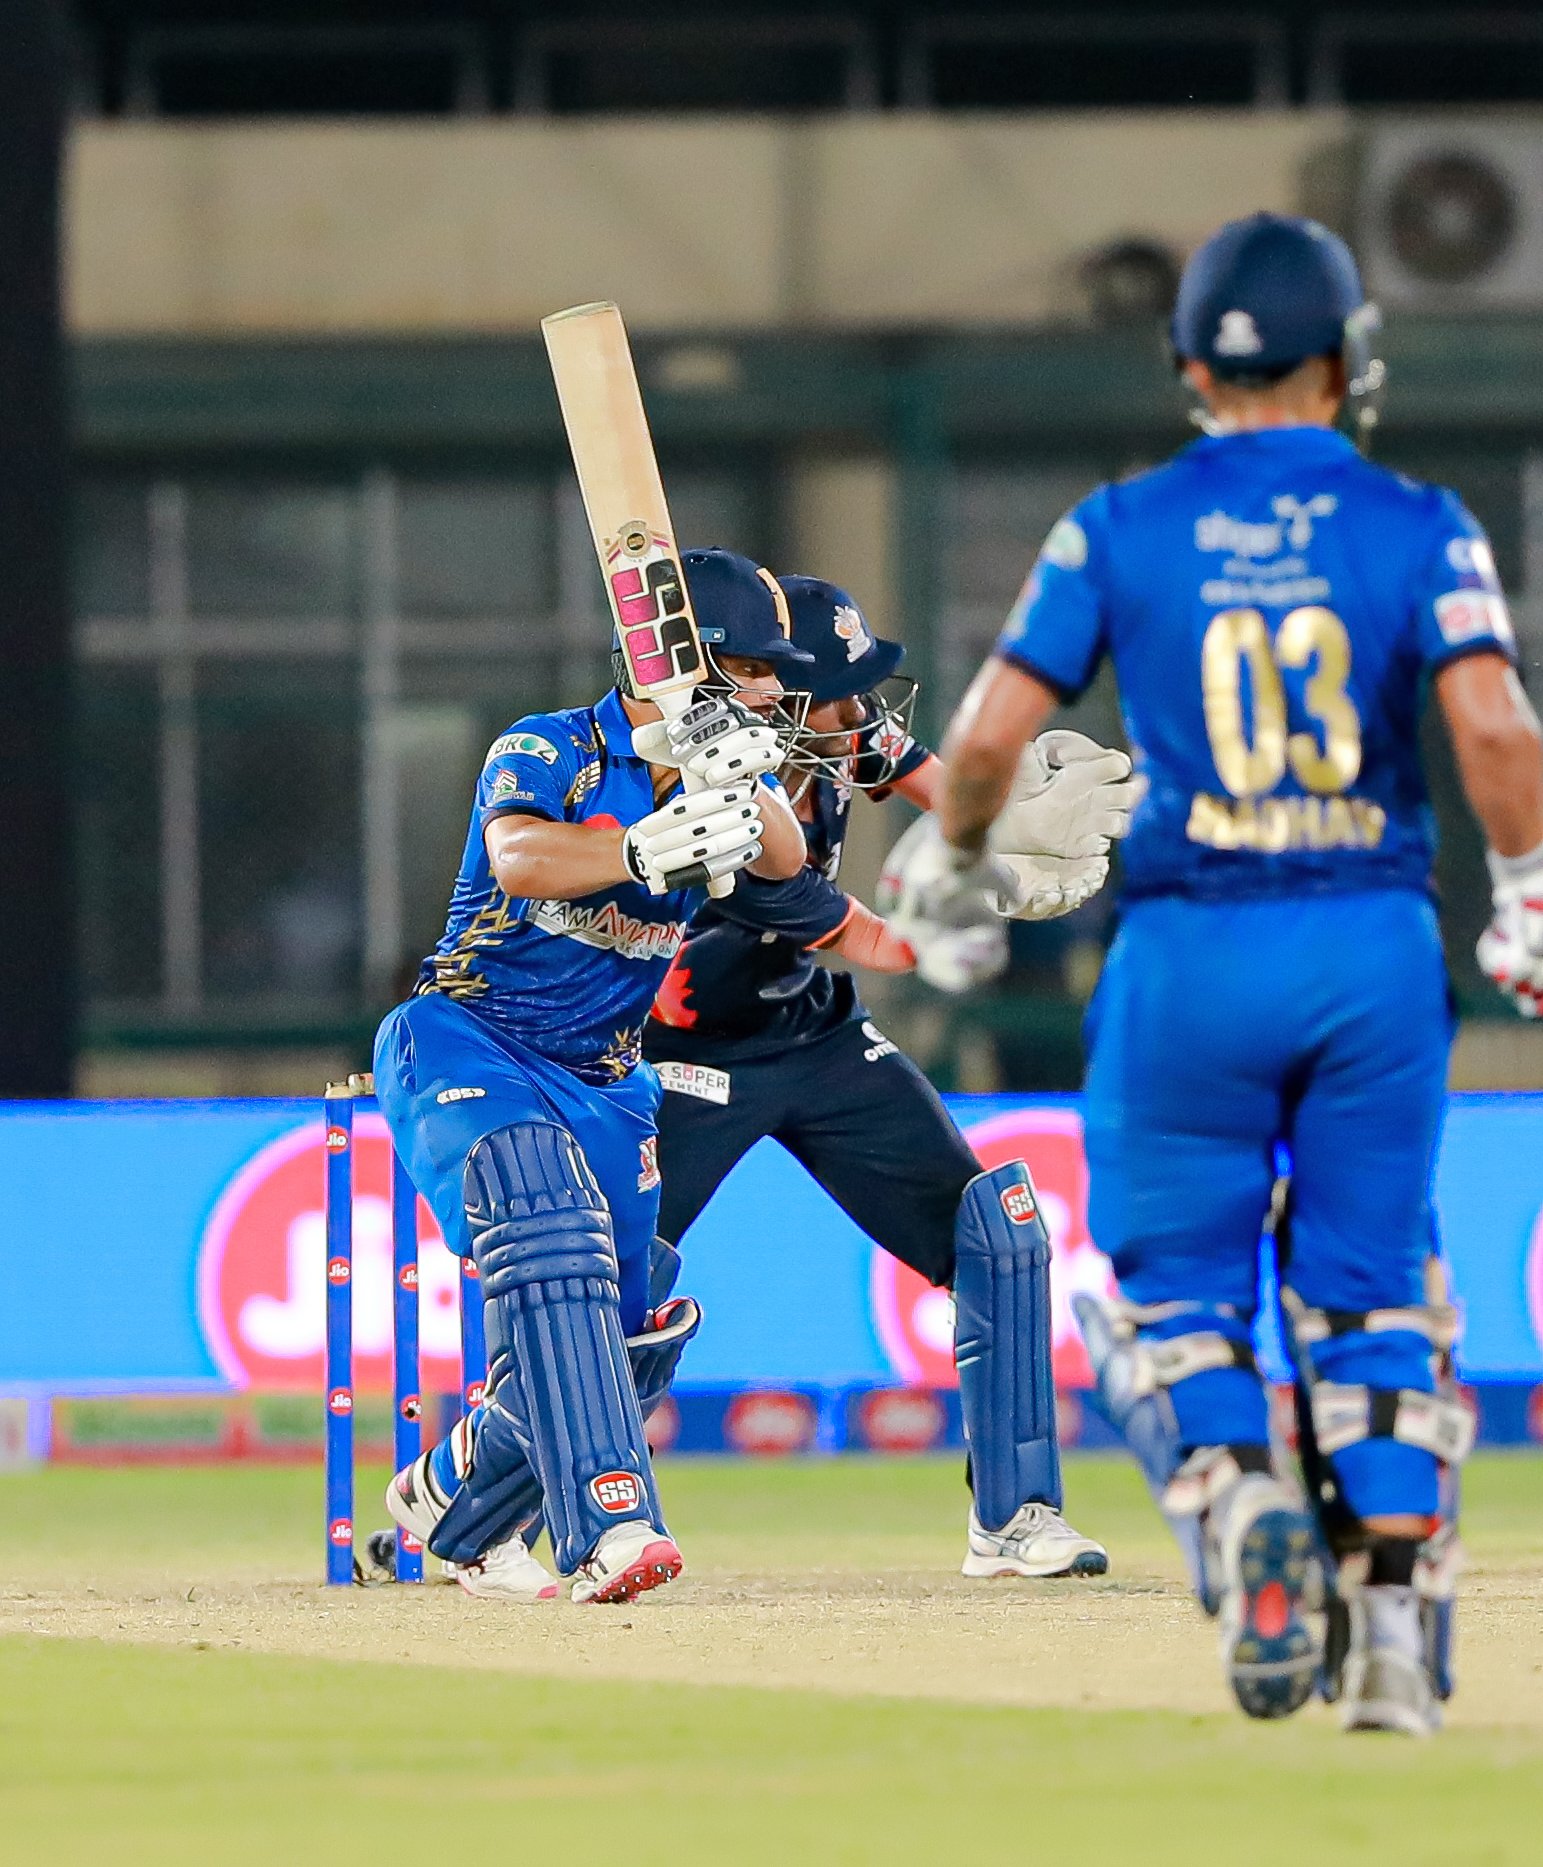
{"type": "Point", "coordinates": [627, 1562]}
{"type": "Point", "coordinates": [506, 1572]}
{"type": "Point", "coordinates": [1386, 1686]}
{"type": "Point", "coordinates": [1266, 1550]}
{"type": "Point", "coordinates": [1035, 1541]}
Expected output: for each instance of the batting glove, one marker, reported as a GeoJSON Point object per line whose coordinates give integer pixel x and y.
{"type": "Point", "coordinates": [717, 741]}
{"type": "Point", "coordinates": [1511, 948]}
{"type": "Point", "coordinates": [695, 839]}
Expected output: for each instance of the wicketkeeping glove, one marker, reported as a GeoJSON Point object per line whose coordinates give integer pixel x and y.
{"type": "Point", "coordinates": [1511, 947]}
{"type": "Point", "coordinates": [695, 838]}
{"type": "Point", "coordinates": [945, 903]}
{"type": "Point", "coordinates": [717, 740]}
{"type": "Point", "coordinates": [1071, 797]}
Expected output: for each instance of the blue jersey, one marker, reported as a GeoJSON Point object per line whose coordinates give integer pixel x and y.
{"type": "Point", "coordinates": [1273, 605]}
{"type": "Point", "coordinates": [573, 980]}
{"type": "Point", "coordinates": [746, 983]}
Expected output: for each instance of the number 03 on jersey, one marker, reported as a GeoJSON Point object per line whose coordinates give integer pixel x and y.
{"type": "Point", "coordinates": [1248, 720]}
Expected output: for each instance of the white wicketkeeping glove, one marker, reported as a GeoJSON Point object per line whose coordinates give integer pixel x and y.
{"type": "Point", "coordinates": [718, 741]}
{"type": "Point", "coordinates": [945, 903]}
{"type": "Point", "coordinates": [1071, 797]}
{"type": "Point", "coordinates": [695, 838]}
{"type": "Point", "coordinates": [1511, 947]}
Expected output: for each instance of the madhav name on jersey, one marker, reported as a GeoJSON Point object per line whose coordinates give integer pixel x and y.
{"type": "Point", "coordinates": [1273, 825]}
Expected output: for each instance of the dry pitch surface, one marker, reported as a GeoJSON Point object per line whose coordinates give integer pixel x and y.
{"type": "Point", "coordinates": [822, 1682]}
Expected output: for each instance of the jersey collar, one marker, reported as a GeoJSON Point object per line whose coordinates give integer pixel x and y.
{"type": "Point", "coordinates": [614, 728]}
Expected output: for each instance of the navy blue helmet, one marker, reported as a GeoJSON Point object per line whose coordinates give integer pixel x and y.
{"type": "Point", "coordinates": [1266, 293]}
{"type": "Point", "coordinates": [849, 662]}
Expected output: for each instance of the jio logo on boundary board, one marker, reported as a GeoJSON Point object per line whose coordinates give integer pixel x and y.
{"type": "Point", "coordinates": [915, 1322]}
{"type": "Point", "coordinates": [263, 1268]}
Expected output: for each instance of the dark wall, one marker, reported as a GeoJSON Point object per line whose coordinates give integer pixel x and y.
{"type": "Point", "coordinates": [37, 918]}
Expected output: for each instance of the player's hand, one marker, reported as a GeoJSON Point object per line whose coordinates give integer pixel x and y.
{"type": "Point", "coordinates": [946, 904]}
{"type": "Point", "coordinates": [695, 838]}
{"type": "Point", "coordinates": [717, 741]}
{"type": "Point", "coordinates": [1511, 948]}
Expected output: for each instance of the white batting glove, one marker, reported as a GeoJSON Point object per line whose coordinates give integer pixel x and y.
{"type": "Point", "coordinates": [695, 839]}
{"type": "Point", "coordinates": [945, 904]}
{"type": "Point", "coordinates": [717, 741]}
{"type": "Point", "coordinates": [1510, 949]}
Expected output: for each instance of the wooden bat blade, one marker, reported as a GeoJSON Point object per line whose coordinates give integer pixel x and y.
{"type": "Point", "coordinates": [613, 455]}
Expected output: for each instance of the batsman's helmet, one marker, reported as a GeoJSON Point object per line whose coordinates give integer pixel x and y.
{"type": "Point", "coordinates": [1266, 293]}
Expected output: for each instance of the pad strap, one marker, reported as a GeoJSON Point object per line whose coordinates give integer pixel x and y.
{"type": "Point", "coordinates": [1345, 1416]}
{"type": "Point", "coordinates": [1438, 1323]}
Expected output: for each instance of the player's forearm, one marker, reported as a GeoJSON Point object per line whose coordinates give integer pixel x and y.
{"type": "Point", "coordinates": [1499, 750]}
{"type": "Point", "coordinates": [864, 939]}
{"type": "Point", "coordinates": [1000, 713]}
{"type": "Point", "coordinates": [783, 850]}
{"type": "Point", "coordinates": [539, 861]}
{"type": "Point", "coordinates": [921, 787]}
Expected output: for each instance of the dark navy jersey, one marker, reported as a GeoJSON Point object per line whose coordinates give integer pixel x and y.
{"type": "Point", "coordinates": [746, 983]}
{"type": "Point", "coordinates": [1274, 606]}
{"type": "Point", "coordinates": [572, 979]}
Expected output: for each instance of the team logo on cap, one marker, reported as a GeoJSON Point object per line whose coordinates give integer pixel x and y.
{"type": "Point", "coordinates": [1237, 335]}
{"type": "Point", "coordinates": [853, 631]}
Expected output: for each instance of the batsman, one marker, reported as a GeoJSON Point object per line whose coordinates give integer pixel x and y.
{"type": "Point", "coordinates": [1276, 609]}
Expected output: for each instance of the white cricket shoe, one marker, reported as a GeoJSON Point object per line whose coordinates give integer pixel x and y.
{"type": "Point", "coordinates": [627, 1562]}
{"type": "Point", "coordinates": [1036, 1541]}
{"type": "Point", "coordinates": [1386, 1685]}
{"type": "Point", "coordinates": [506, 1572]}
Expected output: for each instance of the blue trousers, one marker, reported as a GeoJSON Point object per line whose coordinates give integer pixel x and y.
{"type": "Point", "coordinates": [1220, 1031]}
{"type": "Point", "coordinates": [431, 1051]}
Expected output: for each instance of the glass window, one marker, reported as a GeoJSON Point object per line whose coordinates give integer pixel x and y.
{"type": "Point", "coordinates": [278, 771]}
{"type": "Point", "coordinates": [270, 549]}
{"type": "Point", "coordinates": [117, 803]}
{"type": "Point", "coordinates": [474, 548]}
{"type": "Point", "coordinates": [111, 549]}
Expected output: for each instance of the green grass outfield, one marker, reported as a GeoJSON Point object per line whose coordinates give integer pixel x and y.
{"type": "Point", "coordinates": [120, 1753]}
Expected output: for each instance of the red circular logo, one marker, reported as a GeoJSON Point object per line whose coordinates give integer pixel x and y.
{"type": "Point", "coordinates": [341, 1530]}
{"type": "Point", "coordinates": [340, 1401]}
{"type": "Point", "coordinates": [263, 1270]}
{"type": "Point", "coordinates": [771, 1423]}
{"type": "Point", "coordinates": [900, 1419]}
{"type": "Point", "coordinates": [915, 1322]}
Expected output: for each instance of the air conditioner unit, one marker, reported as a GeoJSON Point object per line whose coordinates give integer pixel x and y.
{"type": "Point", "coordinates": [1450, 214]}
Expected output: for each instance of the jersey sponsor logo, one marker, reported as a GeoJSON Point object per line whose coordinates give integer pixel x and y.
{"type": "Point", "coordinates": [914, 1321]}
{"type": "Point", "coordinates": [447, 1096]}
{"type": "Point", "coordinates": [878, 1044]}
{"type": "Point", "coordinates": [508, 784]}
{"type": "Point", "coordinates": [771, 1423]}
{"type": "Point", "coordinates": [1469, 615]}
{"type": "Point", "coordinates": [616, 1492]}
{"type": "Point", "coordinates": [1472, 557]}
{"type": "Point", "coordinates": [263, 1268]}
{"type": "Point", "coordinates": [1273, 825]}
{"type": "Point", "coordinates": [1237, 335]}
{"type": "Point", "coordinates": [1018, 1202]}
{"type": "Point", "coordinates": [852, 630]}
{"type": "Point", "coordinates": [1067, 545]}
{"type": "Point", "coordinates": [609, 928]}
{"type": "Point", "coordinates": [1291, 528]}
{"type": "Point", "coordinates": [522, 745]}
{"type": "Point", "coordinates": [648, 1164]}
{"type": "Point", "coordinates": [695, 1079]}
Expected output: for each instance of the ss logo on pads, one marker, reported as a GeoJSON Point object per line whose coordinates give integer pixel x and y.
{"type": "Point", "coordinates": [1018, 1203]}
{"type": "Point", "coordinates": [616, 1492]}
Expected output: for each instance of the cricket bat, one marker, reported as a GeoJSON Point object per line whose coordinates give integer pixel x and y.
{"type": "Point", "coordinates": [613, 455]}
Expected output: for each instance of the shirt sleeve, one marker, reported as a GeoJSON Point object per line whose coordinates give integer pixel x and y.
{"type": "Point", "coordinates": [530, 768]}
{"type": "Point", "coordinates": [807, 908]}
{"type": "Point", "coordinates": [1056, 629]}
{"type": "Point", "coordinates": [1459, 607]}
